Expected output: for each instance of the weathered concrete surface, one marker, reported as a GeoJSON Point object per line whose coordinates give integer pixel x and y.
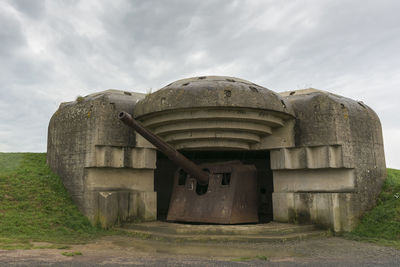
{"type": "Point", "coordinates": [120, 206]}
{"type": "Point", "coordinates": [321, 180]}
{"type": "Point", "coordinates": [212, 91]}
{"type": "Point", "coordinates": [337, 167]}
{"type": "Point", "coordinates": [337, 211]}
{"type": "Point", "coordinates": [250, 233]}
{"type": "Point", "coordinates": [322, 154]}
{"type": "Point", "coordinates": [102, 163]}
{"type": "Point", "coordinates": [218, 113]}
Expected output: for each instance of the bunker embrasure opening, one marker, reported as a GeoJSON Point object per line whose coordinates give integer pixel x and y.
{"type": "Point", "coordinates": [163, 177]}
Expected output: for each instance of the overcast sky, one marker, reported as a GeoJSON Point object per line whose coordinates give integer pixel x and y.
{"type": "Point", "coordinates": [52, 51]}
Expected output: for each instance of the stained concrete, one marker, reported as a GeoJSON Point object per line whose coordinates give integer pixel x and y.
{"type": "Point", "coordinates": [337, 167]}
{"type": "Point", "coordinates": [217, 112]}
{"type": "Point", "coordinates": [102, 163]}
{"type": "Point", "coordinates": [326, 151]}
{"type": "Point", "coordinates": [251, 233]}
{"type": "Point", "coordinates": [320, 180]}
{"type": "Point", "coordinates": [212, 91]}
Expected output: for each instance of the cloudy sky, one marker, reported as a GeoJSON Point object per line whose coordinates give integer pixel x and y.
{"type": "Point", "coordinates": [52, 51]}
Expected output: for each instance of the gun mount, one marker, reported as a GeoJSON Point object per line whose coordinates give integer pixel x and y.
{"type": "Point", "coordinates": [224, 193]}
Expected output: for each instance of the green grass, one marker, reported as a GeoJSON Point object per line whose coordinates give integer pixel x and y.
{"type": "Point", "coordinates": [258, 257]}
{"type": "Point", "coordinates": [34, 205]}
{"type": "Point", "coordinates": [382, 224]}
{"type": "Point", "coordinates": [241, 259]}
{"type": "Point", "coordinates": [72, 253]}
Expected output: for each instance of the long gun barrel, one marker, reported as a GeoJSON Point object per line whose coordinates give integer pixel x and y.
{"type": "Point", "coordinates": [191, 168]}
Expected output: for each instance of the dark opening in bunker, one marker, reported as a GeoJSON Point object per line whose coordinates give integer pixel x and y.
{"type": "Point", "coordinates": [226, 178]}
{"type": "Point", "coordinates": [182, 177]}
{"type": "Point", "coordinates": [164, 177]}
{"type": "Point", "coordinates": [201, 189]}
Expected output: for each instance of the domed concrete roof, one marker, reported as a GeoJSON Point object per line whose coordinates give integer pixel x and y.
{"type": "Point", "coordinates": [216, 112]}
{"type": "Point", "coordinates": [212, 91]}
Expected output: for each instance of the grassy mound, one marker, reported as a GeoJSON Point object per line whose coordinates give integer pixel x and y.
{"type": "Point", "coordinates": [34, 205]}
{"type": "Point", "coordinates": [382, 224]}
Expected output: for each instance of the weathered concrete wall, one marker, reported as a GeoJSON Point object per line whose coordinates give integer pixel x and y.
{"type": "Point", "coordinates": [336, 170]}
{"type": "Point", "coordinates": [107, 169]}
{"type": "Point", "coordinates": [220, 113]}
{"type": "Point", "coordinates": [326, 151]}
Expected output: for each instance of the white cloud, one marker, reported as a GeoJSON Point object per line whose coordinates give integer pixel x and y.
{"type": "Point", "coordinates": [53, 51]}
{"type": "Point", "coordinates": [392, 147]}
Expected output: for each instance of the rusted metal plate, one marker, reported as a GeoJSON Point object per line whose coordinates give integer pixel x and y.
{"type": "Point", "coordinates": [229, 198]}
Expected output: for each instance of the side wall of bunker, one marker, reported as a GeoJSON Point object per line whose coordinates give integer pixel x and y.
{"type": "Point", "coordinates": [337, 168]}
{"type": "Point", "coordinates": [107, 169]}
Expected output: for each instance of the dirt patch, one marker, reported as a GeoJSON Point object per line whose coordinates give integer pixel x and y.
{"type": "Point", "coordinates": [120, 250]}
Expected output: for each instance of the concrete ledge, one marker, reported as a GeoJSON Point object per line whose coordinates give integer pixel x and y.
{"type": "Point", "coordinates": [122, 157]}
{"type": "Point", "coordinates": [322, 180]}
{"type": "Point", "coordinates": [270, 232]}
{"type": "Point", "coordinates": [109, 156]}
{"type": "Point", "coordinates": [143, 158]}
{"type": "Point", "coordinates": [311, 157]}
{"type": "Point", "coordinates": [116, 179]}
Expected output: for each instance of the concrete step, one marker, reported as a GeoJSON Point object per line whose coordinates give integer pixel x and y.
{"type": "Point", "coordinates": [269, 232]}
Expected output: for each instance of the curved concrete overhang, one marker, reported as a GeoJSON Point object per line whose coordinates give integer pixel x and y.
{"type": "Point", "coordinates": [217, 112]}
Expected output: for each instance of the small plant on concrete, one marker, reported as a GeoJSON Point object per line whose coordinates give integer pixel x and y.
{"type": "Point", "coordinates": [149, 91]}
{"type": "Point", "coordinates": [80, 99]}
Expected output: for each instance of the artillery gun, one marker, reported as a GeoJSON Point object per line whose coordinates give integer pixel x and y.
{"type": "Point", "coordinates": [220, 192]}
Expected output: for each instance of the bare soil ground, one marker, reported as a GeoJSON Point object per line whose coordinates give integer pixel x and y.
{"type": "Point", "coordinates": [128, 251]}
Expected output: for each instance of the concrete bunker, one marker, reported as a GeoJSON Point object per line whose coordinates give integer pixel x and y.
{"type": "Point", "coordinates": [319, 156]}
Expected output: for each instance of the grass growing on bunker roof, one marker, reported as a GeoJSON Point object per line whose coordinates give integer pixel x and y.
{"type": "Point", "coordinates": [34, 205]}
{"type": "Point", "coordinates": [382, 224]}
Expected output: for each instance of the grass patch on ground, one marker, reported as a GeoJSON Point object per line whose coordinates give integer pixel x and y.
{"type": "Point", "coordinates": [72, 253]}
{"type": "Point", "coordinates": [34, 205]}
{"type": "Point", "coordinates": [258, 257]}
{"type": "Point", "coordinates": [382, 224]}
